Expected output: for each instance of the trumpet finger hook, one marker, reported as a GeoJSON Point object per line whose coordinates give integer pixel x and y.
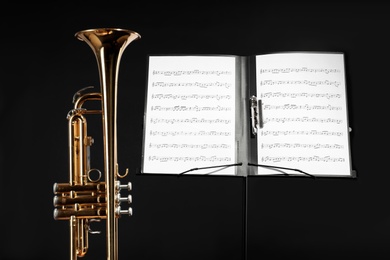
{"type": "Point", "coordinates": [123, 175]}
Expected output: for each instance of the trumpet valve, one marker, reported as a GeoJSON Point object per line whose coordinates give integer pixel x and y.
{"type": "Point", "coordinates": [120, 186]}
{"type": "Point", "coordinates": [120, 199]}
{"type": "Point", "coordinates": [120, 211]}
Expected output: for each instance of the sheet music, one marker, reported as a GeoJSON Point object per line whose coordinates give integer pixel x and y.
{"type": "Point", "coordinates": [304, 113]}
{"type": "Point", "coordinates": [190, 114]}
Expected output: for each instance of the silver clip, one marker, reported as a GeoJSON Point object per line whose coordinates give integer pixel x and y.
{"type": "Point", "coordinates": [254, 115]}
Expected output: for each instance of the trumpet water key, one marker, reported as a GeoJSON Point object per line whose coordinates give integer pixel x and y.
{"type": "Point", "coordinates": [90, 195]}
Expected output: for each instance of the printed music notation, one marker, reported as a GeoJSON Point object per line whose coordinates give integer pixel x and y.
{"type": "Point", "coordinates": [198, 159]}
{"type": "Point", "coordinates": [190, 114]}
{"type": "Point", "coordinates": [193, 120]}
{"type": "Point", "coordinates": [315, 159]}
{"type": "Point", "coordinates": [189, 146]}
{"type": "Point", "coordinates": [193, 72]}
{"type": "Point", "coordinates": [299, 95]}
{"type": "Point", "coordinates": [313, 83]}
{"type": "Point", "coordinates": [299, 70]}
{"type": "Point", "coordinates": [189, 133]}
{"type": "Point", "coordinates": [190, 108]}
{"type": "Point", "coordinates": [194, 116]}
{"type": "Point", "coordinates": [301, 132]}
{"type": "Point", "coordinates": [300, 145]}
{"type": "Point", "coordinates": [190, 96]}
{"type": "Point", "coordinates": [303, 110]}
{"type": "Point", "coordinates": [302, 120]}
{"type": "Point", "coordinates": [192, 84]}
{"type": "Point", "coordinates": [305, 107]}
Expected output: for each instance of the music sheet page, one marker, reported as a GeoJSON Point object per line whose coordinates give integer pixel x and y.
{"type": "Point", "coordinates": [304, 112]}
{"type": "Point", "coordinates": [190, 115]}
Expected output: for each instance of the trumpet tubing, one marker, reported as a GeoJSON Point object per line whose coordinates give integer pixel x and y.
{"type": "Point", "coordinates": [85, 199]}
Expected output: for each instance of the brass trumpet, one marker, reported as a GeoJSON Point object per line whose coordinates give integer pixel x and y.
{"type": "Point", "coordinates": [85, 199]}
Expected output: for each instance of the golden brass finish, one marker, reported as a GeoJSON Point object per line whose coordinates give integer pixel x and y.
{"type": "Point", "coordinates": [83, 200]}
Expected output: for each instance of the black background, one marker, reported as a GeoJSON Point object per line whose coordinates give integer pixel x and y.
{"type": "Point", "coordinates": [191, 217]}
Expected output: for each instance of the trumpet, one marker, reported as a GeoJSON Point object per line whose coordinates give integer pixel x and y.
{"type": "Point", "coordinates": [87, 197]}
